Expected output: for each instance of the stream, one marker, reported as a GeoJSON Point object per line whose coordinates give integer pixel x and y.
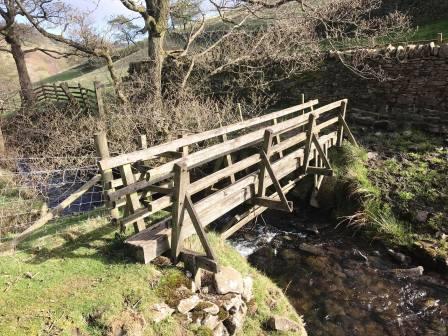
{"type": "Point", "coordinates": [353, 287]}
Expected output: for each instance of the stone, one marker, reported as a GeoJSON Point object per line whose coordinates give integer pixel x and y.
{"type": "Point", "coordinates": [211, 321]}
{"type": "Point", "coordinates": [372, 155]}
{"type": "Point", "coordinates": [220, 330]}
{"type": "Point", "coordinates": [228, 280]}
{"type": "Point", "coordinates": [280, 323]}
{"type": "Point", "coordinates": [232, 302]}
{"type": "Point", "coordinates": [312, 249]}
{"type": "Point", "coordinates": [209, 307]}
{"type": "Point", "coordinates": [188, 304]}
{"type": "Point", "coordinates": [160, 312]}
{"type": "Point", "coordinates": [409, 272]}
{"type": "Point", "coordinates": [399, 257]}
{"type": "Point", "coordinates": [234, 323]}
{"type": "Point", "coordinates": [422, 216]}
{"type": "Point", "coordinates": [248, 284]}
{"type": "Point", "coordinates": [443, 51]}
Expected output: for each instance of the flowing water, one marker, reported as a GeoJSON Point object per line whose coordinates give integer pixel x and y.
{"type": "Point", "coordinates": [353, 288]}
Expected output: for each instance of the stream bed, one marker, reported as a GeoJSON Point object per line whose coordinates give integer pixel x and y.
{"type": "Point", "coordinates": [348, 286]}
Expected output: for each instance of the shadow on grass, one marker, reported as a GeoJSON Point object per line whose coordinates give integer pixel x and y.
{"type": "Point", "coordinates": [70, 74]}
{"type": "Point", "coordinates": [102, 243]}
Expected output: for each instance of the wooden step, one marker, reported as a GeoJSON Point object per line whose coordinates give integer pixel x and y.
{"type": "Point", "coordinates": [151, 242]}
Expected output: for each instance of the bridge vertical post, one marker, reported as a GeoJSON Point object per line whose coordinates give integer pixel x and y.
{"type": "Point", "coordinates": [342, 114]}
{"type": "Point", "coordinates": [308, 142]}
{"type": "Point", "coordinates": [102, 149]}
{"type": "Point", "coordinates": [181, 182]}
{"type": "Point", "coordinates": [267, 144]}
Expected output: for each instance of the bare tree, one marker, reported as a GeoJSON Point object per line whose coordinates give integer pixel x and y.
{"type": "Point", "coordinates": [124, 29]}
{"type": "Point", "coordinates": [10, 31]}
{"type": "Point", "coordinates": [184, 12]}
{"type": "Point", "coordinates": [76, 32]}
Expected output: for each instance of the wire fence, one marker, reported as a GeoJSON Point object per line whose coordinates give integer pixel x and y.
{"type": "Point", "coordinates": [28, 189]}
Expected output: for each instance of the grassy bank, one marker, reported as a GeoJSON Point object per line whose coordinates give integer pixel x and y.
{"type": "Point", "coordinates": [73, 278]}
{"type": "Point", "coordinates": [399, 193]}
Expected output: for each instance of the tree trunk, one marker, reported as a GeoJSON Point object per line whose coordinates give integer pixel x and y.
{"type": "Point", "coordinates": [24, 78]}
{"type": "Point", "coordinates": [156, 57]}
{"type": "Point", "coordinates": [115, 79]}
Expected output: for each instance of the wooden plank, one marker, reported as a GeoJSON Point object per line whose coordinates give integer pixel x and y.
{"type": "Point", "coordinates": [194, 138]}
{"type": "Point", "coordinates": [248, 140]}
{"type": "Point", "coordinates": [350, 136]}
{"type": "Point", "coordinates": [320, 171]}
{"type": "Point", "coordinates": [321, 152]}
{"type": "Point", "coordinates": [132, 200]}
{"type": "Point", "coordinates": [181, 183]}
{"type": "Point", "coordinates": [102, 150]}
{"type": "Point", "coordinates": [342, 113]}
{"type": "Point", "coordinates": [286, 204]}
{"type": "Point", "coordinates": [266, 151]}
{"type": "Point", "coordinates": [309, 135]}
{"type": "Point", "coordinates": [199, 228]}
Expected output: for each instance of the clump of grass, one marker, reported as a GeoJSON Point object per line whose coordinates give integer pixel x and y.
{"type": "Point", "coordinates": [373, 216]}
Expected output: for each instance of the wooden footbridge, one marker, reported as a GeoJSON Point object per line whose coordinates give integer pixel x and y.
{"type": "Point", "coordinates": [246, 167]}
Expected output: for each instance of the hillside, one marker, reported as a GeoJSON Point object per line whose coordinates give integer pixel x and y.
{"type": "Point", "coordinates": [40, 65]}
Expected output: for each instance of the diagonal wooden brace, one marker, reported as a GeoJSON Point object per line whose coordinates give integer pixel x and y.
{"type": "Point", "coordinates": [283, 204]}
{"type": "Point", "coordinates": [198, 227]}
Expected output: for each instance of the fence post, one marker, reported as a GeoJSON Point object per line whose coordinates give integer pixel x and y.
{"type": "Point", "coordinates": [181, 182]}
{"type": "Point", "coordinates": [107, 175]}
{"type": "Point", "coordinates": [55, 89]}
{"type": "Point", "coordinates": [440, 38]}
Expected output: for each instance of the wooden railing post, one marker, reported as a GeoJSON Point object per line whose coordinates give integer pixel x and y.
{"type": "Point", "coordinates": [440, 38]}
{"type": "Point", "coordinates": [308, 142]}
{"type": "Point", "coordinates": [102, 149]}
{"type": "Point", "coordinates": [181, 182]}
{"type": "Point", "coordinates": [267, 145]}
{"type": "Point", "coordinates": [342, 113]}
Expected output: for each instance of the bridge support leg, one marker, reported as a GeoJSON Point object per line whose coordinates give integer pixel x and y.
{"type": "Point", "coordinates": [265, 166]}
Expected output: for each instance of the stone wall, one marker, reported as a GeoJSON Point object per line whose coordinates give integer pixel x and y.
{"type": "Point", "coordinates": [417, 94]}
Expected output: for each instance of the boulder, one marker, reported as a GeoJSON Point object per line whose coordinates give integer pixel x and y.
{"type": "Point", "coordinates": [220, 330]}
{"type": "Point", "coordinates": [232, 302]}
{"type": "Point", "coordinates": [228, 280]}
{"type": "Point", "coordinates": [422, 216]}
{"type": "Point", "coordinates": [209, 307]}
{"type": "Point", "coordinates": [160, 312]}
{"type": "Point", "coordinates": [312, 249]}
{"type": "Point", "coordinates": [188, 304]}
{"type": "Point", "coordinates": [280, 323]}
{"type": "Point", "coordinates": [211, 321]}
{"type": "Point", "coordinates": [234, 323]}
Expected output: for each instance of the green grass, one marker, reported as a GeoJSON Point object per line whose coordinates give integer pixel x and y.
{"type": "Point", "coordinates": [73, 275]}
{"type": "Point", "coordinates": [374, 216]}
{"type": "Point", "coordinates": [429, 31]}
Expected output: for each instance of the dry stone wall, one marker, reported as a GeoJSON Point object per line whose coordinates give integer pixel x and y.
{"type": "Point", "coordinates": [416, 93]}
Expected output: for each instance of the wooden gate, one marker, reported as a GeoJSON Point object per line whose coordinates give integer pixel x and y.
{"type": "Point", "coordinates": [196, 179]}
